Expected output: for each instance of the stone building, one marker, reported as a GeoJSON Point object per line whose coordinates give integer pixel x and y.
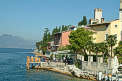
{"type": "Point", "coordinates": [103, 29]}
{"type": "Point", "coordinates": [98, 18]}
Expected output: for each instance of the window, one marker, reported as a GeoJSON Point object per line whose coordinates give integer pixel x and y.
{"type": "Point", "coordinates": [106, 36]}
{"type": "Point", "coordinates": [94, 58]}
{"type": "Point", "coordinates": [85, 57]}
{"type": "Point", "coordinates": [115, 25]}
{"type": "Point", "coordinates": [106, 25]}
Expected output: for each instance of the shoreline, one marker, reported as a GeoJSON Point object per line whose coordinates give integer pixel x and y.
{"type": "Point", "coordinates": [87, 77]}
{"type": "Point", "coordinates": [65, 73]}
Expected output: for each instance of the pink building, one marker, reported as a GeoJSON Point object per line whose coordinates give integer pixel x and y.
{"type": "Point", "coordinates": [61, 39]}
{"type": "Point", "coordinates": [65, 38]}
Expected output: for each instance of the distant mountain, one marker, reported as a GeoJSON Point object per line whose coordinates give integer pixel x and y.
{"type": "Point", "coordinates": [10, 41]}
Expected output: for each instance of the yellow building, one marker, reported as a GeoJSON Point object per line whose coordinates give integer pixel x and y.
{"type": "Point", "coordinates": [102, 30]}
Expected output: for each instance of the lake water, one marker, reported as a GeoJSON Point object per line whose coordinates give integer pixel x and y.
{"type": "Point", "coordinates": [13, 68]}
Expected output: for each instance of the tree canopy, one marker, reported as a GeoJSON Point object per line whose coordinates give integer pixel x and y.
{"type": "Point", "coordinates": [79, 39]}
{"type": "Point", "coordinates": [118, 49]}
{"type": "Point", "coordinates": [111, 41]}
{"type": "Point", "coordinates": [83, 22]}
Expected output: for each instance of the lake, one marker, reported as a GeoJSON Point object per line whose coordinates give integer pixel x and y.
{"type": "Point", "coordinates": [13, 68]}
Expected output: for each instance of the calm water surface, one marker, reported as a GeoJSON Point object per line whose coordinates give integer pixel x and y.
{"type": "Point", "coordinates": [13, 68]}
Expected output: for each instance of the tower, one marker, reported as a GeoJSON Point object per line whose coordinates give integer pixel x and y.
{"type": "Point", "coordinates": [98, 14]}
{"type": "Point", "coordinates": [120, 11]}
{"type": "Point", "coordinates": [120, 17]}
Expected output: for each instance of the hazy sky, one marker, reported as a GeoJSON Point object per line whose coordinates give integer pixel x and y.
{"type": "Point", "coordinates": [28, 18]}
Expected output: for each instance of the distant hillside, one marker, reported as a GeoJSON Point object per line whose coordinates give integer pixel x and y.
{"type": "Point", "coordinates": [10, 41]}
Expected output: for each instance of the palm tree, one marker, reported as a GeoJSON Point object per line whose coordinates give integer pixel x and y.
{"type": "Point", "coordinates": [96, 49]}
{"type": "Point", "coordinates": [103, 49]}
{"type": "Point", "coordinates": [118, 49]}
{"type": "Point", "coordinates": [111, 41]}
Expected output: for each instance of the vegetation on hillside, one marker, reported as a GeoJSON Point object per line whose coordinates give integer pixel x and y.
{"type": "Point", "coordinates": [81, 41]}
{"type": "Point", "coordinates": [48, 36]}
{"type": "Point", "coordinates": [83, 22]}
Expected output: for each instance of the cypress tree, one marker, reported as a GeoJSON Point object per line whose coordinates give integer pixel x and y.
{"type": "Point", "coordinates": [83, 22]}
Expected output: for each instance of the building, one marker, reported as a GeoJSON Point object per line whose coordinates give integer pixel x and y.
{"type": "Point", "coordinates": [65, 38]}
{"type": "Point", "coordinates": [61, 39]}
{"type": "Point", "coordinates": [98, 18]}
{"type": "Point", "coordinates": [102, 30]}
{"type": "Point", "coordinates": [97, 24]}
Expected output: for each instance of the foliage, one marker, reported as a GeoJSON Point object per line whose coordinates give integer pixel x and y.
{"type": "Point", "coordinates": [118, 49]}
{"type": "Point", "coordinates": [48, 37]}
{"type": "Point", "coordinates": [38, 44]}
{"type": "Point", "coordinates": [104, 48]}
{"type": "Point", "coordinates": [120, 59]}
{"type": "Point", "coordinates": [78, 64]}
{"type": "Point", "coordinates": [51, 57]}
{"type": "Point", "coordinates": [96, 49]}
{"type": "Point", "coordinates": [64, 27]}
{"type": "Point", "coordinates": [63, 48]}
{"type": "Point", "coordinates": [55, 30]}
{"type": "Point", "coordinates": [120, 43]}
{"type": "Point", "coordinates": [111, 41]}
{"type": "Point", "coordinates": [59, 29]}
{"type": "Point", "coordinates": [42, 45]}
{"type": "Point", "coordinates": [83, 22]}
{"type": "Point", "coordinates": [90, 47]}
{"type": "Point", "coordinates": [79, 38]}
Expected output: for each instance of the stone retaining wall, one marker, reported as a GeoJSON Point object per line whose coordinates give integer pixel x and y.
{"type": "Point", "coordinates": [93, 67]}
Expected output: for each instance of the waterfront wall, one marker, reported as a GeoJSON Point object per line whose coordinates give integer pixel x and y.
{"type": "Point", "coordinates": [93, 67]}
{"type": "Point", "coordinates": [88, 66]}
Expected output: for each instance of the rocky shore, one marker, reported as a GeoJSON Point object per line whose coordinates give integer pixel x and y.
{"type": "Point", "coordinates": [69, 70]}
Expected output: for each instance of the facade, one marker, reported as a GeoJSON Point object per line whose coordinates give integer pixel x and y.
{"type": "Point", "coordinates": [61, 39]}
{"type": "Point", "coordinates": [102, 30]}
{"type": "Point", "coordinates": [65, 38]}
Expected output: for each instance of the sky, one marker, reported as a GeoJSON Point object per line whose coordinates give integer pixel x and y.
{"type": "Point", "coordinates": [28, 18]}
